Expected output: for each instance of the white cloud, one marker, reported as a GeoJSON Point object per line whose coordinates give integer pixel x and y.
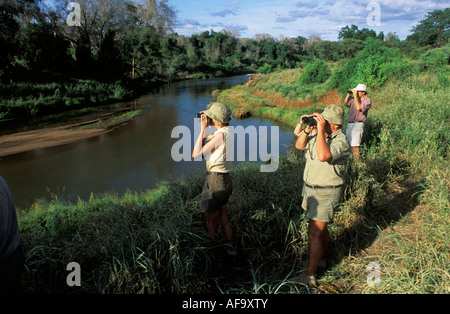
{"type": "Point", "coordinates": [301, 17]}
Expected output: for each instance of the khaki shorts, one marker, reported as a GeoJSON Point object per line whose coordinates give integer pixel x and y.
{"type": "Point", "coordinates": [321, 203]}
{"type": "Point", "coordinates": [216, 192]}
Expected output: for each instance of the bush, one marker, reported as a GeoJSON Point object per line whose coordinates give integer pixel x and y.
{"type": "Point", "coordinates": [316, 72]}
{"type": "Point", "coordinates": [435, 59]}
{"type": "Point", "coordinates": [372, 66]}
{"type": "Point", "coordinates": [28, 99]}
{"type": "Point", "coordinates": [119, 91]}
{"type": "Point", "coordinates": [265, 69]}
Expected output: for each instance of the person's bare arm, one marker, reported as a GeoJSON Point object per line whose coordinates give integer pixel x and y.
{"type": "Point", "coordinates": [323, 151]}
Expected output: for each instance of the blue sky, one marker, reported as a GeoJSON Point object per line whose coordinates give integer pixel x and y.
{"type": "Point", "coordinates": [278, 18]}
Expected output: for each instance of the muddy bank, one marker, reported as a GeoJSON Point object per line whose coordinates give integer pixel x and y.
{"type": "Point", "coordinates": [44, 138]}
{"type": "Point", "coordinates": [55, 136]}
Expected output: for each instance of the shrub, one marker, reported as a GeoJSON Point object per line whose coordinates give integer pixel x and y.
{"type": "Point", "coordinates": [372, 66]}
{"type": "Point", "coordinates": [316, 72]}
{"type": "Point", "coordinates": [265, 69]}
{"type": "Point", "coordinates": [119, 91]}
{"type": "Point", "coordinates": [434, 59]}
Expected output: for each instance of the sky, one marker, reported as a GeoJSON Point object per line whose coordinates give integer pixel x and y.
{"type": "Point", "coordinates": [283, 18]}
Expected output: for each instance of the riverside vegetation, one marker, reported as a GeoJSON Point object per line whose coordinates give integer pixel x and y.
{"type": "Point", "coordinates": [124, 48]}
{"type": "Point", "coordinates": [395, 211]}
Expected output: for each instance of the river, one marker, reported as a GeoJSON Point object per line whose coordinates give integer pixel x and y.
{"type": "Point", "coordinates": [135, 156]}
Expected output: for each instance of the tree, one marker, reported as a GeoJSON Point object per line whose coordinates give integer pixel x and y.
{"type": "Point", "coordinates": [308, 45]}
{"type": "Point", "coordinates": [157, 14]}
{"type": "Point", "coordinates": [355, 33]}
{"type": "Point", "coordinates": [347, 32]}
{"type": "Point", "coordinates": [9, 29]}
{"type": "Point", "coordinates": [109, 54]}
{"type": "Point", "coordinates": [434, 29]}
{"type": "Point", "coordinates": [390, 37]}
{"type": "Point", "coordinates": [348, 48]}
{"type": "Point", "coordinates": [372, 66]}
{"type": "Point", "coordinates": [44, 50]}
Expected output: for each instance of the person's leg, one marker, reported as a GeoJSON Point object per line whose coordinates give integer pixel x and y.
{"type": "Point", "coordinates": [212, 220]}
{"type": "Point", "coordinates": [228, 231]}
{"type": "Point", "coordinates": [357, 139]}
{"type": "Point", "coordinates": [318, 239]}
{"type": "Point", "coordinates": [325, 240]}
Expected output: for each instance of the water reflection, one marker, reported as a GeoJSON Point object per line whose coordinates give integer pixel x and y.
{"type": "Point", "coordinates": [136, 156]}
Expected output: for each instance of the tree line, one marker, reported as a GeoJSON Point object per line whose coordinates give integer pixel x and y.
{"type": "Point", "coordinates": [119, 46]}
{"type": "Point", "coordinates": [113, 38]}
{"type": "Point", "coordinates": [114, 35]}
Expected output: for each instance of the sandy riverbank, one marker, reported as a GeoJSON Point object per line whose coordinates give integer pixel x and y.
{"type": "Point", "coordinates": [55, 136]}
{"type": "Point", "coordinates": [44, 138]}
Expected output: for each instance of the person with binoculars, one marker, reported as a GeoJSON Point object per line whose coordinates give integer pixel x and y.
{"type": "Point", "coordinates": [326, 155]}
{"type": "Point", "coordinates": [359, 107]}
{"type": "Point", "coordinates": [218, 185]}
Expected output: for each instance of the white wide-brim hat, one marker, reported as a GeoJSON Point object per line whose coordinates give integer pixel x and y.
{"type": "Point", "coordinates": [361, 88]}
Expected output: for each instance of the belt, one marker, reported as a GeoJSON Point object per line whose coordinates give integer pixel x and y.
{"type": "Point", "coordinates": [357, 122]}
{"type": "Point", "coordinates": [323, 187]}
{"type": "Point", "coordinates": [217, 173]}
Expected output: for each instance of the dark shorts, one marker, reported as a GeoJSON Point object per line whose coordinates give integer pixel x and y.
{"type": "Point", "coordinates": [216, 192]}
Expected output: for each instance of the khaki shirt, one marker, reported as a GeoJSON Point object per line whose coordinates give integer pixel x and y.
{"type": "Point", "coordinates": [330, 173]}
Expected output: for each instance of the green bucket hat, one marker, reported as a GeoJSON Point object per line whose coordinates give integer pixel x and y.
{"type": "Point", "coordinates": [334, 114]}
{"type": "Point", "coordinates": [219, 112]}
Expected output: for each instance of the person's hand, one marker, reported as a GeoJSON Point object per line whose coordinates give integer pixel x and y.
{"type": "Point", "coordinates": [320, 123]}
{"type": "Point", "coordinates": [204, 120]}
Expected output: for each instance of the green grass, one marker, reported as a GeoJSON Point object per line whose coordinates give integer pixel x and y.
{"type": "Point", "coordinates": [23, 99]}
{"type": "Point", "coordinates": [112, 121]}
{"type": "Point", "coordinates": [395, 213]}
{"type": "Point", "coordinates": [153, 242]}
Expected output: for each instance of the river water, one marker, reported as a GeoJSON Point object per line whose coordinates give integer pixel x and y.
{"type": "Point", "coordinates": [135, 156]}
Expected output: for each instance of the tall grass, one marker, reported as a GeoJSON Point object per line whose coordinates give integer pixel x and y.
{"type": "Point", "coordinates": [155, 242]}
{"type": "Point", "coordinates": [408, 132]}
{"type": "Point", "coordinates": [395, 212]}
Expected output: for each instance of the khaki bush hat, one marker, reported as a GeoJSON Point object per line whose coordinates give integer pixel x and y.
{"type": "Point", "coordinates": [219, 112]}
{"type": "Point", "coordinates": [334, 114]}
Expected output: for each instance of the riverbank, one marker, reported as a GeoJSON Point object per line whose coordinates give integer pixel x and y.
{"type": "Point", "coordinates": [395, 214]}
{"type": "Point", "coordinates": [261, 97]}
{"type": "Point", "coordinates": [92, 125]}
{"type": "Point", "coordinates": [67, 125]}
